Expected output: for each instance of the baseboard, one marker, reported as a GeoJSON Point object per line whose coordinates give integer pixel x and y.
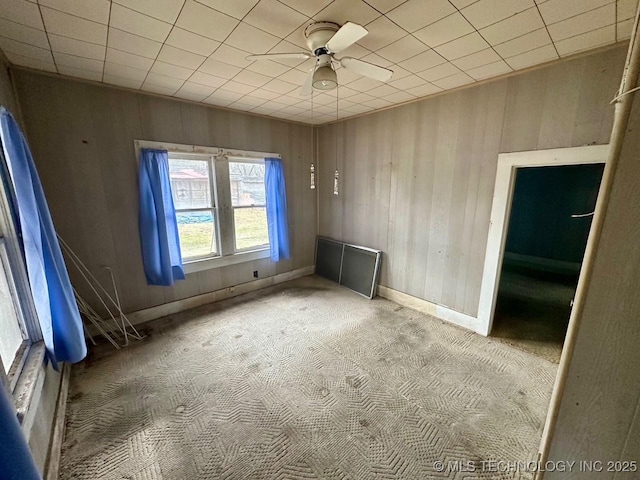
{"type": "Point", "coordinates": [52, 465]}
{"type": "Point", "coordinates": [433, 309]}
{"type": "Point", "coordinates": [171, 308]}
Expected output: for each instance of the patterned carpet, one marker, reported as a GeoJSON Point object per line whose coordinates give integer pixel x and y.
{"type": "Point", "coordinates": [304, 380]}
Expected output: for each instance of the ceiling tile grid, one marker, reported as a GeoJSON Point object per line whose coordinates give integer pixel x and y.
{"type": "Point", "coordinates": [196, 49]}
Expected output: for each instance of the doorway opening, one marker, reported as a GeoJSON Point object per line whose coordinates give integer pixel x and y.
{"type": "Point", "coordinates": [547, 231]}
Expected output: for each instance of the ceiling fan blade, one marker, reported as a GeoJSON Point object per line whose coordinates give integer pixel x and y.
{"type": "Point", "coordinates": [348, 34]}
{"type": "Point", "coordinates": [278, 56]}
{"type": "Point", "coordinates": [366, 69]}
{"type": "Point", "coordinates": [307, 87]}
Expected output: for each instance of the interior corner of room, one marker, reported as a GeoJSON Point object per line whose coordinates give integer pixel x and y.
{"type": "Point", "coordinates": [460, 215]}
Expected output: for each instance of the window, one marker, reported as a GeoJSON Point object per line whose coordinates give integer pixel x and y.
{"type": "Point", "coordinates": [220, 200]}
{"type": "Point", "coordinates": [193, 192]}
{"type": "Point", "coordinates": [249, 202]}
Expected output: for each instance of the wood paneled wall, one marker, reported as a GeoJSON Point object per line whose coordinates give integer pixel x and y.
{"type": "Point", "coordinates": [82, 135]}
{"type": "Point", "coordinates": [417, 181]}
{"type": "Point", "coordinates": [599, 417]}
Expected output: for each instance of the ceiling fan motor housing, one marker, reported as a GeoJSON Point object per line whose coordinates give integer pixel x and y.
{"type": "Point", "coordinates": [318, 34]}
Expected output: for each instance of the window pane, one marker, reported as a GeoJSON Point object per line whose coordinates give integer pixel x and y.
{"type": "Point", "coordinates": [247, 183]}
{"type": "Point", "coordinates": [10, 332]}
{"type": "Point", "coordinates": [197, 234]}
{"type": "Point", "coordinates": [190, 185]}
{"type": "Point", "coordinates": [251, 227]}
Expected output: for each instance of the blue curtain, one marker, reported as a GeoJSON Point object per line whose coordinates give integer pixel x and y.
{"type": "Point", "coordinates": [277, 218]}
{"type": "Point", "coordinates": [158, 225]}
{"type": "Point", "coordinates": [48, 277]}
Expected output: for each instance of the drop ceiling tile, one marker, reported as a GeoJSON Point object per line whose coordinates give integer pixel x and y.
{"type": "Point", "coordinates": [223, 94]}
{"type": "Point", "coordinates": [95, 10]}
{"type": "Point", "coordinates": [131, 21]}
{"type": "Point", "coordinates": [241, 106]}
{"type": "Point", "coordinates": [423, 61]}
{"type": "Point", "coordinates": [265, 94]}
{"type": "Point", "coordinates": [294, 76]}
{"type": "Point", "coordinates": [122, 71]}
{"type": "Point", "coordinates": [487, 12]}
{"type": "Point", "coordinates": [365, 85]}
{"type": "Point", "coordinates": [232, 56]}
{"type": "Point", "coordinates": [475, 60]}
{"type": "Point", "coordinates": [252, 78]}
{"type": "Point", "coordinates": [623, 29]}
{"type": "Point", "coordinates": [197, 18]}
{"type": "Point", "coordinates": [182, 58]}
{"type": "Point", "coordinates": [586, 41]}
{"type": "Point", "coordinates": [25, 50]}
{"type": "Point", "coordinates": [269, 68]}
{"type": "Point", "coordinates": [385, 6]}
{"type": "Point", "coordinates": [96, 76]}
{"type": "Point", "coordinates": [443, 31]}
{"type": "Point", "coordinates": [377, 103]}
{"type": "Point", "coordinates": [399, 97]}
{"type": "Point", "coordinates": [307, 7]}
{"type": "Point", "coordinates": [194, 91]}
{"type": "Point", "coordinates": [408, 82]}
{"type": "Point", "coordinates": [159, 89]}
{"type": "Point", "coordinates": [122, 82]}
{"type": "Point", "coordinates": [554, 11]}
{"type": "Point", "coordinates": [454, 81]}
{"type": "Point", "coordinates": [165, 10]}
{"type": "Point", "coordinates": [16, 59]}
{"type": "Point", "coordinates": [297, 38]}
{"type": "Point", "coordinates": [441, 71]}
{"type": "Point", "coordinates": [251, 39]}
{"type": "Point", "coordinates": [489, 70]}
{"type": "Point", "coordinates": [343, 11]}
{"type": "Point", "coordinates": [320, 99]}
{"type": "Point", "coordinates": [76, 47]}
{"type": "Point", "coordinates": [382, 91]}
{"type": "Point", "coordinates": [416, 14]}
{"type": "Point", "coordinates": [128, 42]}
{"type": "Point", "coordinates": [275, 17]}
{"type": "Point", "coordinates": [154, 78]}
{"type": "Point", "coordinates": [345, 76]}
{"type": "Point", "coordinates": [514, 26]}
{"type": "Point", "coordinates": [22, 12]}
{"type": "Point", "coordinates": [128, 59]}
{"type": "Point", "coordinates": [280, 86]}
{"type": "Point", "coordinates": [21, 33]}
{"type": "Point", "coordinates": [377, 60]}
{"type": "Point", "coordinates": [463, 46]}
{"type": "Point", "coordinates": [173, 71]}
{"type": "Point", "coordinates": [460, 4]}
{"type": "Point", "coordinates": [382, 32]}
{"type": "Point", "coordinates": [360, 98]}
{"type": "Point", "coordinates": [530, 41]}
{"type": "Point", "coordinates": [72, 61]}
{"type": "Point", "coordinates": [533, 57]}
{"type": "Point", "coordinates": [238, 87]}
{"type": "Point", "coordinates": [583, 23]}
{"type": "Point", "coordinates": [220, 102]}
{"type": "Point", "coordinates": [191, 42]}
{"type": "Point", "coordinates": [424, 90]}
{"type": "Point", "coordinates": [626, 9]}
{"type": "Point", "coordinates": [253, 100]}
{"type": "Point", "coordinates": [235, 8]}
{"type": "Point", "coordinates": [206, 79]}
{"type": "Point", "coordinates": [346, 92]}
{"type": "Point", "coordinates": [74, 27]}
{"type": "Point", "coordinates": [219, 69]}
{"type": "Point", "coordinates": [399, 72]}
{"type": "Point", "coordinates": [402, 49]}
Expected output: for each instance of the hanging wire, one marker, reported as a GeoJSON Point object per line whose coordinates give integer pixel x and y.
{"type": "Point", "coordinates": [335, 177]}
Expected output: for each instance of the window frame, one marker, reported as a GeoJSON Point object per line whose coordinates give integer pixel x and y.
{"type": "Point", "coordinates": [231, 159]}
{"type": "Point", "coordinates": [219, 158]}
{"type": "Point", "coordinates": [214, 208]}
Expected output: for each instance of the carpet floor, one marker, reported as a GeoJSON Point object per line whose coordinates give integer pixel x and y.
{"type": "Point", "coordinates": [304, 380]}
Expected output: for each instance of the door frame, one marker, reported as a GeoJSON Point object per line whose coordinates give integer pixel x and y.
{"type": "Point", "coordinates": [508, 163]}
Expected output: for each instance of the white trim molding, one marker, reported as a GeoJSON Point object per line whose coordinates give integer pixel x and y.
{"type": "Point", "coordinates": [508, 163]}
{"type": "Point", "coordinates": [439, 311]}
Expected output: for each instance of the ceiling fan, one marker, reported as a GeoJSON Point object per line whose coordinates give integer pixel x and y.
{"type": "Point", "coordinates": [325, 39]}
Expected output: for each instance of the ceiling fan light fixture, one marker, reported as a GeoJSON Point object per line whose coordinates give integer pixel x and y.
{"type": "Point", "coordinates": [325, 78]}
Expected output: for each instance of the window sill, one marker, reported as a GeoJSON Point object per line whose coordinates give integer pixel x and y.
{"type": "Point", "coordinates": [209, 263]}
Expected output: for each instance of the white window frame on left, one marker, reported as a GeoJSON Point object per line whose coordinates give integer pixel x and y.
{"type": "Point", "coordinates": [219, 157]}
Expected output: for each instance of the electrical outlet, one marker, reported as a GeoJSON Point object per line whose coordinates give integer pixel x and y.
{"type": "Point", "coordinates": [255, 274]}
